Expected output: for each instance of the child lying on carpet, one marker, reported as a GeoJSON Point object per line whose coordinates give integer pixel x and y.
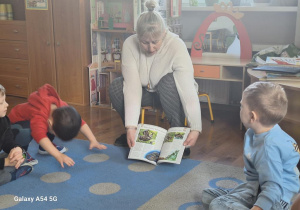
{"type": "Point", "coordinates": [270, 155]}
{"type": "Point", "coordinates": [11, 160]}
{"type": "Point", "coordinates": [47, 115]}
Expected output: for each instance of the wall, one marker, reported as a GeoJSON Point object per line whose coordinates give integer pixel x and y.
{"type": "Point", "coordinates": [297, 36]}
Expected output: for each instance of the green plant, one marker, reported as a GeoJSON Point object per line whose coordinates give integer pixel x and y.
{"type": "Point", "coordinates": [193, 2]}
{"type": "Point", "coordinates": [211, 2]}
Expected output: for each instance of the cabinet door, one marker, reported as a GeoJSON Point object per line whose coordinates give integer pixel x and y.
{"type": "Point", "coordinates": [40, 47]}
{"type": "Point", "coordinates": [70, 32]}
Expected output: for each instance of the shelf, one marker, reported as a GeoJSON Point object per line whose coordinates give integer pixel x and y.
{"type": "Point", "coordinates": [220, 79]}
{"type": "Point", "coordinates": [18, 8]}
{"type": "Point", "coordinates": [114, 31]}
{"type": "Point", "coordinates": [246, 9]}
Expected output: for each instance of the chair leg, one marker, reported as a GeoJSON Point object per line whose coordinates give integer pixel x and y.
{"type": "Point", "coordinates": [209, 106]}
{"type": "Point", "coordinates": [163, 117]}
{"type": "Point", "coordinates": [143, 116]}
{"type": "Point", "coordinates": [210, 110]}
{"type": "Point", "coordinates": [157, 117]}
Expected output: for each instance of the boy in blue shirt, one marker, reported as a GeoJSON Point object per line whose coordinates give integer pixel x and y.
{"type": "Point", "coordinates": [270, 155]}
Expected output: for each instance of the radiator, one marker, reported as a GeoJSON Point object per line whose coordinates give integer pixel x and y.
{"type": "Point", "coordinates": [218, 91]}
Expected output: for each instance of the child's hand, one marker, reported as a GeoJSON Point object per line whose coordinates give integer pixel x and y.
{"type": "Point", "coordinates": [15, 157]}
{"type": "Point", "coordinates": [62, 158]}
{"type": "Point", "coordinates": [97, 145]}
{"type": "Point", "coordinates": [7, 162]}
{"type": "Point", "coordinates": [256, 208]}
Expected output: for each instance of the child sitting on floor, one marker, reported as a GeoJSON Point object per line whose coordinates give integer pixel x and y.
{"type": "Point", "coordinates": [270, 155]}
{"type": "Point", "coordinates": [10, 161]}
{"type": "Point", "coordinates": [47, 115]}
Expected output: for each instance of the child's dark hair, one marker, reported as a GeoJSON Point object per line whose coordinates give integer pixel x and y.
{"type": "Point", "coordinates": [66, 122]}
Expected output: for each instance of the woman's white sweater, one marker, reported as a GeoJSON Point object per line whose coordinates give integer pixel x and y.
{"type": "Point", "coordinates": [137, 72]}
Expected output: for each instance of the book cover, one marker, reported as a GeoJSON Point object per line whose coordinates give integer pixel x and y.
{"type": "Point", "coordinates": [93, 86]}
{"type": "Point", "coordinates": [283, 61]}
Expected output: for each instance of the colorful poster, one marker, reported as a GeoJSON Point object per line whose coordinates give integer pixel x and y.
{"type": "Point", "coordinates": [36, 4]}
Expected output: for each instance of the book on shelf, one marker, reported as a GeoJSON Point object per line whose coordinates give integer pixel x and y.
{"type": "Point", "coordinates": [93, 81]}
{"type": "Point", "coordinates": [155, 145]}
{"type": "Point", "coordinates": [280, 77]}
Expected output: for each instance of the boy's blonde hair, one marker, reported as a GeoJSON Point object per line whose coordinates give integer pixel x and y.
{"type": "Point", "coordinates": [2, 90]}
{"type": "Point", "coordinates": [150, 22]}
{"type": "Point", "coordinates": [268, 100]}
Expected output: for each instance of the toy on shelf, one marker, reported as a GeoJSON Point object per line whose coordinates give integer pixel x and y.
{"type": "Point", "coordinates": [210, 31]}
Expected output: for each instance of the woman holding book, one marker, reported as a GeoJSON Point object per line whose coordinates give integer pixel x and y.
{"type": "Point", "coordinates": [156, 69]}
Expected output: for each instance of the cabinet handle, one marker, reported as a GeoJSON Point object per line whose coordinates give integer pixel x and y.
{"type": "Point", "coordinates": [18, 68]}
{"type": "Point", "coordinates": [18, 86]}
{"type": "Point", "coordinates": [16, 31]}
{"type": "Point", "coordinates": [17, 49]}
{"type": "Point", "coordinates": [202, 71]}
{"type": "Point", "coordinates": [48, 43]}
{"type": "Point", "coordinates": [58, 43]}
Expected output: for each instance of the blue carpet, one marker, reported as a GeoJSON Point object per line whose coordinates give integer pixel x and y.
{"type": "Point", "coordinates": [135, 188]}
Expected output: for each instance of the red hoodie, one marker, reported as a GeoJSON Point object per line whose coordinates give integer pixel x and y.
{"type": "Point", "coordinates": [37, 110]}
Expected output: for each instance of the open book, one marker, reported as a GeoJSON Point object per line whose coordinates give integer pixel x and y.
{"type": "Point", "coordinates": [155, 145]}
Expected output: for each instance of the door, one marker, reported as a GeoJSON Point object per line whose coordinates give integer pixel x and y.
{"type": "Point", "coordinates": [40, 47]}
{"type": "Point", "coordinates": [70, 35]}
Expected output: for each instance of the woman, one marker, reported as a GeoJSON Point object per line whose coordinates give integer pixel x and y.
{"type": "Point", "coordinates": [156, 64]}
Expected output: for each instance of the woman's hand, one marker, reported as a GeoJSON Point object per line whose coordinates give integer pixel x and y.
{"type": "Point", "coordinates": [130, 137]}
{"type": "Point", "coordinates": [191, 139]}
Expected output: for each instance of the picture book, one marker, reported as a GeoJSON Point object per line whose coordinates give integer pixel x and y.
{"type": "Point", "coordinates": [156, 145]}
{"type": "Point", "coordinates": [93, 85]}
{"type": "Point", "coordinates": [283, 61]}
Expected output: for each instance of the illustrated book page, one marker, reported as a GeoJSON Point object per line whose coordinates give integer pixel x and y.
{"type": "Point", "coordinates": [154, 144]}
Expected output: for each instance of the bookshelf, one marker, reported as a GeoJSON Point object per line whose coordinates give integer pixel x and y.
{"type": "Point", "coordinates": [112, 21]}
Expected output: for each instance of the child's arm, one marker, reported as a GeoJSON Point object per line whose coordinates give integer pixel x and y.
{"type": "Point", "coordinates": [86, 131]}
{"type": "Point", "coordinates": [61, 158]}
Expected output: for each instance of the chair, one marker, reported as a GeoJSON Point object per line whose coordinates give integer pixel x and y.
{"type": "Point", "coordinates": [156, 115]}
{"type": "Point", "coordinates": [200, 94]}
{"type": "Point", "coordinates": [143, 114]}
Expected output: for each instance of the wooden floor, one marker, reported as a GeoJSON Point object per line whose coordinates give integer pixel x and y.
{"type": "Point", "coordinates": [220, 142]}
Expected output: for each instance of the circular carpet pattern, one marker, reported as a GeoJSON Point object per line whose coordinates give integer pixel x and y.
{"type": "Point", "coordinates": [96, 158]}
{"type": "Point", "coordinates": [141, 167]}
{"type": "Point", "coordinates": [8, 201]}
{"type": "Point", "coordinates": [56, 177]}
{"type": "Point", "coordinates": [105, 188]}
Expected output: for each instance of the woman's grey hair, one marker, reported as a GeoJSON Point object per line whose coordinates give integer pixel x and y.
{"type": "Point", "coordinates": [151, 23]}
{"type": "Point", "coordinates": [2, 90]}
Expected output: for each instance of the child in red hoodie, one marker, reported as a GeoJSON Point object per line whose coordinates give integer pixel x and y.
{"type": "Point", "coordinates": [49, 116]}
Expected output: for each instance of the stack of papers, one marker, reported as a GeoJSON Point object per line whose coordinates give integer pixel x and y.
{"type": "Point", "coordinates": [281, 68]}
